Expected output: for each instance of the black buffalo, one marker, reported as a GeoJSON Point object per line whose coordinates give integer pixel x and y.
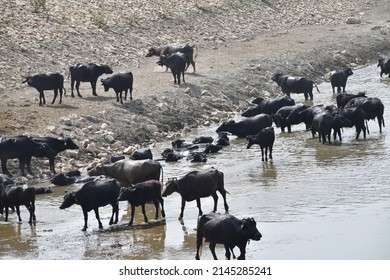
{"type": "Point", "coordinates": [357, 116]}
{"type": "Point", "coordinates": [56, 146]}
{"type": "Point", "coordinates": [228, 230]}
{"type": "Point", "coordinates": [306, 116]}
{"type": "Point", "coordinates": [338, 78]}
{"type": "Point", "coordinates": [50, 81]}
{"type": "Point", "coordinates": [22, 148]}
{"type": "Point", "coordinates": [141, 153]}
{"type": "Point", "coordinates": [291, 84]}
{"type": "Point", "coordinates": [223, 139]}
{"type": "Point", "coordinates": [121, 82]}
{"type": "Point", "coordinates": [269, 106]}
{"type": "Point", "coordinates": [384, 64]}
{"type": "Point", "coordinates": [186, 50]}
{"type": "Point", "coordinates": [265, 139]}
{"type": "Point", "coordinates": [372, 106]}
{"type": "Point", "coordinates": [177, 63]}
{"type": "Point", "coordinates": [14, 196]}
{"type": "Point", "coordinates": [325, 121]}
{"type": "Point", "coordinates": [280, 117]}
{"type": "Point", "coordinates": [247, 126]}
{"type": "Point", "coordinates": [87, 73]}
{"type": "Point", "coordinates": [197, 184]}
{"type": "Point", "coordinates": [142, 193]}
{"type": "Point", "coordinates": [343, 98]}
{"type": "Point", "coordinates": [93, 195]}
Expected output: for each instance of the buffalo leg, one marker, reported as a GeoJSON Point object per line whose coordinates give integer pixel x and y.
{"type": "Point", "coordinates": [183, 205]}
{"type": "Point", "coordinates": [183, 77]}
{"type": "Point", "coordinates": [144, 213]}
{"type": "Point", "coordinates": [51, 165]}
{"type": "Point", "coordinates": [72, 85]}
{"type": "Point", "coordinates": [215, 197]}
{"type": "Point", "coordinates": [55, 96]}
{"type": "Point", "coordinates": [85, 213]}
{"type": "Point", "coordinates": [223, 193]}
{"type": "Point", "coordinates": [31, 209]}
{"type": "Point", "coordinates": [242, 250]}
{"type": "Point", "coordinates": [98, 217]}
{"type": "Point", "coordinates": [77, 88]}
{"type": "Point", "coordinates": [199, 206]}
{"type": "Point", "coordinates": [114, 213]}
{"type": "Point", "coordinates": [270, 152]}
{"type": "Point", "coordinates": [199, 239]}
{"type": "Point", "coordinates": [212, 249]}
{"type": "Point", "coordinates": [156, 204]}
{"type": "Point", "coordinates": [266, 152]}
{"type": "Point", "coordinates": [18, 212]}
{"type": "Point", "coordinates": [132, 214]}
{"type": "Point", "coordinates": [162, 206]}
{"type": "Point", "coordinates": [93, 85]}
{"type": "Point", "coordinates": [28, 165]}
{"type": "Point", "coordinates": [227, 251]}
{"type": "Point", "coordinates": [131, 93]}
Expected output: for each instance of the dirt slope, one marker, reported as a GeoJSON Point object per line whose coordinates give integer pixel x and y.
{"type": "Point", "coordinates": [240, 44]}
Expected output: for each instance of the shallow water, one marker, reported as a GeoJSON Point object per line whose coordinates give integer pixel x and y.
{"type": "Point", "coordinates": [313, 201]}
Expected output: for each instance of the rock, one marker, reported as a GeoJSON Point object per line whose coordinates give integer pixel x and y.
{"type": "Point", "coordinates": [129, 150]}
{"type": "Point", "coordinates": [353, 20]}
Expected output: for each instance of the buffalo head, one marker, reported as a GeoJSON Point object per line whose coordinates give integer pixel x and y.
{"type": "Point", "coordinates": [249, 228]}
{"type": "Point", "coordinates": [170, 187]}
{"type": "Point", "coordinates": [69, 200]}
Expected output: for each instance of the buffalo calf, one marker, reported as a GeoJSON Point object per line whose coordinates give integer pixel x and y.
{"type": "Point", "coordinates": [265, 139]}
{"type": "Point", "coordinates": [142, 193]}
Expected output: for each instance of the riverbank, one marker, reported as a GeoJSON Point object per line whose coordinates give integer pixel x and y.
{"type": "Point", "coordinates": [240, 46]}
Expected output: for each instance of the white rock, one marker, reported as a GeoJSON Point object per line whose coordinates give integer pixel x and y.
{"type": "Point", "coordinates": [129, 150]}
{"type": "Point", "coordinates": [353, 20]}
{"type": "Point", "coordinates": [71, 153]}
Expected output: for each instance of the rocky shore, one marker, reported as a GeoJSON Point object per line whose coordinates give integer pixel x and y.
{"type": "Point", "coordinates": [240, 44]}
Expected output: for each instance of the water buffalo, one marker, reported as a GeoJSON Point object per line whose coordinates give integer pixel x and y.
{"type": "Point", "coordinates": [306, 116]}
{"type": "Point", "coordinates": [325, 121]}
{"type": "Point", "coordinates": [14, 196]}
{"type": "Point", "coordinates": [87, 73]}
{"type": "Point", "coordinates": [372, 106]}
{"type": "Point", "coordinates": [197, 184]}
{"type": "Point", "coordinates": [338, 78]}
{"type": "Point", "coordinates": [186, 50]}
{"type": "Point", "coordinates": [141, 153]}
{"type": "Point", "coordinates": [223, 139]}
{"type": "Point", "coordinates": [142, 193]}
{"type": "Point", "coordinates": [203, 140]}
{"type": "Point", "coordinates": [247, 126]}
{"type": "Point", "coordinates": [356, 115]}
{"type": "Point", "coordinates": [177, 63]}
{"type": "Point", "coordinates": [269, 106]}
{"type": "Point", "coordinates": [93, 195]}
{"type": "Point", "coordinates": [343, 98]}
{"type": "Point", "coordinates": [121, 82]}
{"type": "Point", "coordinates": [22, 148]}
{"type": "Point", "coordinates": [291, 84]}
{"type": "Point", "coordinates": [129, 172]}
{"type": "Point", "coordinates": [228, 230]}
{"type": "Point", "coordinates": [384, 64]}
{"type": "Point", "coordinates": [49, 81]}
{"type": "Point", "coordinates": [280, 117]}
{"type": "Point", "coordinates": [56, 146]}
{"type": "Point", "coordinates": [265, 139]}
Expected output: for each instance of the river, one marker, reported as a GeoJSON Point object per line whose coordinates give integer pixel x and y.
{"type": "Point", "coordinates": [313, 201]}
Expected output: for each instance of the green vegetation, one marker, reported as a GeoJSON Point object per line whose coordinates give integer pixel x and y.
{"type": "Point", "coordinates": [38, 6]}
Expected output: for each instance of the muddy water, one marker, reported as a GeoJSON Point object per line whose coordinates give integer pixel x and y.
{"type": "Point", "coordinates": [313, 201]}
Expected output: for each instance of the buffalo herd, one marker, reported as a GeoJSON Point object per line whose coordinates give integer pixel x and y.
{"type": "Point", "coordinates": [139, 179]}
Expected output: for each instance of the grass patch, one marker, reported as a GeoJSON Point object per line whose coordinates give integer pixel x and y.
{"type": "Point", "coordinates": [98, 19]}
